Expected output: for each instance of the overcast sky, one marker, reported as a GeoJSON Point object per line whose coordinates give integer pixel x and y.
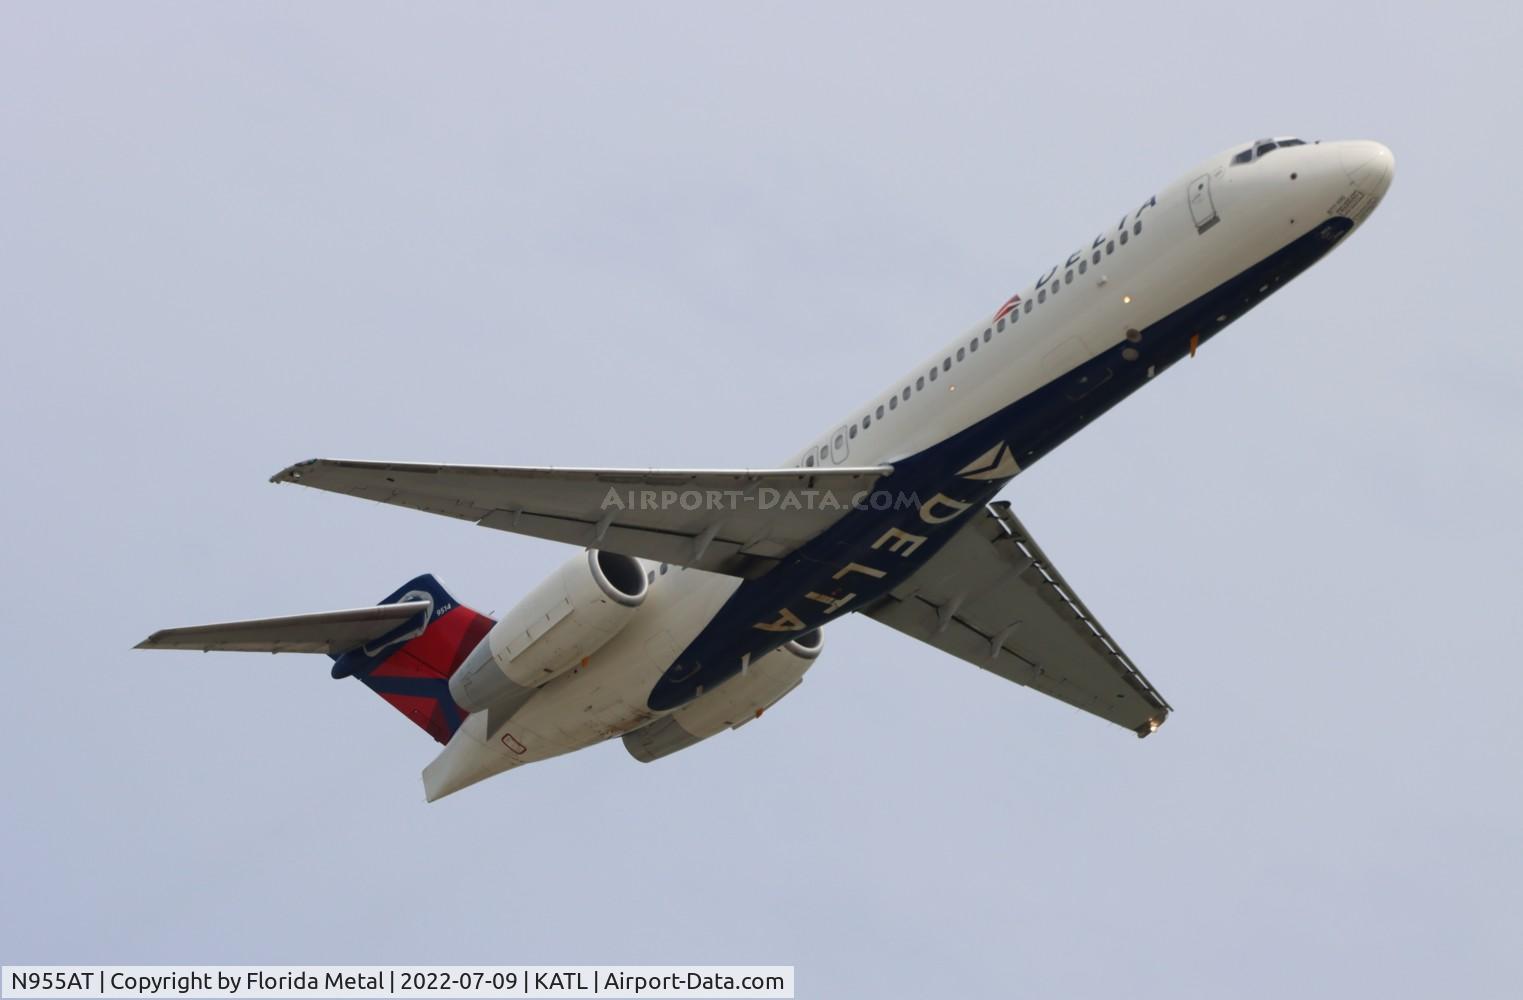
{"type": "Point", "coordinates": [236, 237]}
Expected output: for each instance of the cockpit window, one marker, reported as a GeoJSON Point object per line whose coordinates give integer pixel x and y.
{"type": "Point", "coordinates": [1263, 147]}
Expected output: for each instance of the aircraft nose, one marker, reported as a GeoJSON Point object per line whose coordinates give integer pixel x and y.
{"type": "Point", "coordinates": [1369, 165]}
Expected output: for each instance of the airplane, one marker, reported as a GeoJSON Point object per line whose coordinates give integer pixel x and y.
{"type": "Point", "coordinates": [700, 597]}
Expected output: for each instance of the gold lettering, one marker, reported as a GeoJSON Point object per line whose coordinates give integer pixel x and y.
{"type": "Point", "coordinates": [926, 509]}
{"type": "Point", "coordinates": [789, 622]}
{"type": "Point", "coordinates": [832, 604]}
{"type": "Point", "coordinates": [858, 568]}
{"type": "Point", "coordinates": [898, 539]}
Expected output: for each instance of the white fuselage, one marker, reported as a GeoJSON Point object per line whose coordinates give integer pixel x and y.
{"type": "Point", "coordinates": [1210, 225]}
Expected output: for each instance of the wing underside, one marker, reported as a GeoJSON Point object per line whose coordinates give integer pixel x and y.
{"type": "Point", "coordinates": [736, 521]}
{"type": "Point", "coordinates": [992, 598]}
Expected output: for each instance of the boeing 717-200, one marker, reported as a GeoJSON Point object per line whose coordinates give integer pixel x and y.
{"type": "Point", "coordinates": [699, 597]}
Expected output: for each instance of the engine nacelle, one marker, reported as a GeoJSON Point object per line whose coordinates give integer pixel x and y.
{"type": "Point", "coordinates": [731, 705]}
{"type": "Point", "coordinates": [561, 622]}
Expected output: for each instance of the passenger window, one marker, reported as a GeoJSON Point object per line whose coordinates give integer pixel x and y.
{"type": "Point", "coordinates": [1096, 257]}
{"type": "Point", "coordinates": [1137, 228]}
{"type": "Point", "coordinates": [946, 364]}
{"type": "Point", "coordinates": [893, 402]}
{"type": "Point", "coordinates": [989, 334]}
{"type": "Point", "coordinates": [650, 577]}
{"type": "Point", "coordinates": [1028, 305]}
{"type": "Point", "coordinates": [1083, 266]}
{"type": "Point", "coordinates": [809, 462]}
{"type": "Point", "coordinates": [880, 413]}
{"type": "Point", "coordinates": [1042, 295]}
{"type": "Point", "coordinates": [1123, 237]}
{"type": "Point", "coordinates": [920, 383]}
{"type": "Point", "coordinates": [824, 452]}
{"type": "Point", "coordinates": [1110, 247]}
{"type": "Point", "coordinates": [1057, 286]}
{"type": "Point", "coordinates": [663, 569]}
{"type": "Point", "coordinates": [1068, 278]}
{"type": "Point", "coordinates": [867, 421]}
{"type": "Point", "coordinates": [961, 354]}
{"type": "Point", "coordinates": [973, 344]}
{"type": "Point", "coordinates": [933, 374]}
{"type": "Point", "coordinates": [851, 431]}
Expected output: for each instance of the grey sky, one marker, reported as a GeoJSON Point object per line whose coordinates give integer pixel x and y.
{"type": "Point", "coordinates": [235, 237]}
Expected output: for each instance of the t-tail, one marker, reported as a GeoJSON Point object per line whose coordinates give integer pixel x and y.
{"type": "Point", "coordinates": [410, 665]}
{"type": "Point", "coordinates": [404, 649]}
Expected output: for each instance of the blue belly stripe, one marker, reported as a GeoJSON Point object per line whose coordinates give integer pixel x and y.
{"type": "Point", "coordinates": [1032, 426]}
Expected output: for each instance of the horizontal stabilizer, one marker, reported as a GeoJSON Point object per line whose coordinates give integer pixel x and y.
{"type": "Point", "coordinates": [405, 649]}
{"type": "Point", "coordinates": [331, 632]}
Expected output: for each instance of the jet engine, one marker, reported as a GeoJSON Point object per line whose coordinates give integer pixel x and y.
{"type": "Point", "coordinates": [560, 623]}
{"type": "Point", "coordinates": [731, 705]}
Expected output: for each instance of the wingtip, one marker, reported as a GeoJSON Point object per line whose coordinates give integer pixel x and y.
{"type": "Point", "coordinates": [292, 473]}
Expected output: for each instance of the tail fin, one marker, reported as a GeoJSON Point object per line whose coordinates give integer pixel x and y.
{"type": "Point", "coordinates": [410, 666]}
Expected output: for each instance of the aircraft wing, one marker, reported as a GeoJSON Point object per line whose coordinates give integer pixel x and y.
{"type": "Point", "coordinates": [991, 597]}
{"type": "Point", "coordinates": [736, 521]}
{"type": "Point", "coordinates": [331, 632]}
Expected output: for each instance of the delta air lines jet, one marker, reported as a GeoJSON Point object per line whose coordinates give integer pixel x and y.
{"type": "Point", "coordinates": [699, 597]}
